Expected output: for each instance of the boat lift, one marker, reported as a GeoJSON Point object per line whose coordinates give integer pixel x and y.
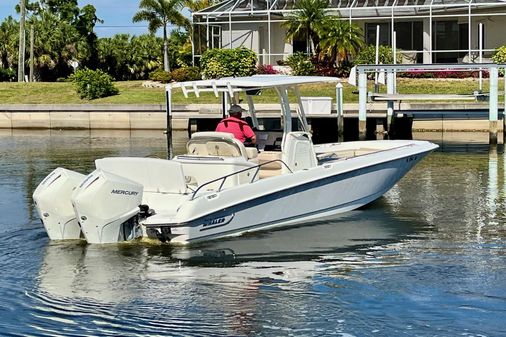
{"type": "Point", "coordinates": [392, 96]}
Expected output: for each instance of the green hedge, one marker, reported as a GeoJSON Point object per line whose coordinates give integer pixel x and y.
{"type": "Point", "coordinates": [500, 57]}
{"type": "Point", "coordinates": [301, 64]}
{"type": "Point", "coordinates": [7, 75]}
{"type": "Point", "coordinates": [186, 74]}
{"type": "Point", "coordinates": [160, 75]}
{"type": "Point", "coordinates": [218, 63]}
{"type": "Point", "coordinates": [91, 84]}
{"type": "Point", "coordinates": [368, 55]}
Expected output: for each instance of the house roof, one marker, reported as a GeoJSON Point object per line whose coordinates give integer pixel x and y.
{"type": "Point", "coordinates": [345, 8]}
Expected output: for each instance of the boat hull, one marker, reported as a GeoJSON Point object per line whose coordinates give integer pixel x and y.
{"type": "Point", "coordinates": [330, 191]}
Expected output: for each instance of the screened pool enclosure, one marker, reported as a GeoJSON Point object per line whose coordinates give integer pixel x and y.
{"type": "Point", "coordinates": [427, 31]}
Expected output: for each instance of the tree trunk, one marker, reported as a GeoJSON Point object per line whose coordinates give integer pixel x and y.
{"type": "Point", "coordinates": [308, 41]}
{"type": "Point", "coordinates": [166, 66]}
{"type": "Point", "coordinates": [21, 54]}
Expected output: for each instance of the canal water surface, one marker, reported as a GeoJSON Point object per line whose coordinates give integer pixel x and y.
{"type": "Point", "coordinates": [427, 259]}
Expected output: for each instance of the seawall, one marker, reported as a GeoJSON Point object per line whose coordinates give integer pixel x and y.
{"type": "Point", "coordinates": [153, 116]}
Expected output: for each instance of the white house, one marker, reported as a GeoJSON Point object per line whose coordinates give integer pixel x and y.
{"type": "Point", "coordinates": [427, 31]}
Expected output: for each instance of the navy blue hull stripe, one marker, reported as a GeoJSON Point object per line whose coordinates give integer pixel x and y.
{"type": "Point", "coordinates": [294, 190]}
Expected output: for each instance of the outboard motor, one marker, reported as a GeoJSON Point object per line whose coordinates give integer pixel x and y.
{"type": "Point", "coordinates": [52, 201]}
{"type": "Point", "coordinates": [107, 207]}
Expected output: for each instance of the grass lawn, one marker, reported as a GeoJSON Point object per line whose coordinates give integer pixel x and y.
{"type": "Point", "coordinates": [132, 92]}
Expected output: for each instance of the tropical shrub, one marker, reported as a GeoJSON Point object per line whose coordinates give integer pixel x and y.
{"type": "Point", "coordinates": [327, 67]}
{"type": "Point", "coordinates": [7, 75]}
{"type": "Point", "coordinates": [186, 74]}
{"type": "Point", "coordinates": [443, 74]}
{"type": "Point", "coordinates": [218, 63]}
{"type": "Point", "coordinates": [160, 14]}
{"type": "Point", "coordinates": [9, 35]}
{"type": "Point", "coordinates": [266, 69]}
{"type": "Point", "coordinates": [324, 66]}
{"type": "Point", "coordinates": [114, 55]}
{"type": "Point", "coordinates": [126, 57]}
{"type": "Point", "coordinates": [180, 50]}
{"type": "Point", "coordinates": [339, 39]}
{"type": "Point", "coordinates": [301, 64]}
{"type": "Point", "coordinates": [145, 55]}
{"type": "Point", "coordinates": [344, 69]}
{"type": "Point", "coordinates": [56, 43]}
{"type": "Point", "coordinates": [303, 23]}
{"type": "Point", "coordinates": [91, 84]}
{"type": "Point", "coordinates": [368, 55]}
{"type": "Point", "coordinates": [416, 74]}
{"type": "Point", "coordinates": [500, 57]}
{"type": "Point", "coordinates": [160, 75]}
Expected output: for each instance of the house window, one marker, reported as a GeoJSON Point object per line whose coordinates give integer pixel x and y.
{"type": "Point", "coordinates": [299, 45]}
{"type": "Point", "coordinates": [409, 37]}
{"type": "Point", "coordinates": [370, 33]}
{"type": "Point", "coordinates": [451, 36]}
{"type": "Point", "coordinates": [214, 37]}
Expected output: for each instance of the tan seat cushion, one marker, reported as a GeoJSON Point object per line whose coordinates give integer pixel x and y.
{"type": "Point", "coordinates": [217, 148]}
{"type": "Point", "coordinates": [251, 152]}
{"type": "Point", "coordinates": [271, 169]}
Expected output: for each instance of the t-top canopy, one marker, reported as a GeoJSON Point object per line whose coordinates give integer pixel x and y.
{"type": "Point", "coordinates": [235, 84]}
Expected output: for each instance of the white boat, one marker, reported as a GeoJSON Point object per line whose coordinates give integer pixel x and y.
{"type": "Point", "coordinates": [220, 187]}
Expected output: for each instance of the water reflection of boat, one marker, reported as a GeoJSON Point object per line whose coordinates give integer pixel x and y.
{"type": "Point", "coordinates": [309, 241]}
{"type": "Point", "coordinates": [81, 271]}
{"type": "Point", "coordinates": [132, 270]}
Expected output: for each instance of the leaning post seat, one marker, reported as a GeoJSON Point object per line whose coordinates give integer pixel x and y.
{"type": "Point", "coordinates": [222, 144]}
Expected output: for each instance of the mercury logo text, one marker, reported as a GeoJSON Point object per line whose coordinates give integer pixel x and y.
{"type": "Point", "coordinates": [124, 192]}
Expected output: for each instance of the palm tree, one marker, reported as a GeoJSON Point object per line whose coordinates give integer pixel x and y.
{"type": "Point", "coordinates": [9, 35]}
{"type": "Point", "coordinates": [197, 5]}
{"type": "Point", "coordinates": [158, 14]}
{"type": "Point", "coordinates": [305, 20]}
{"type": "Point", "coordinates": [339, 39]}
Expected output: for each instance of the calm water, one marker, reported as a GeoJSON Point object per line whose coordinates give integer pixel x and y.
{"type": "Point", "coordinates": [427, 259]}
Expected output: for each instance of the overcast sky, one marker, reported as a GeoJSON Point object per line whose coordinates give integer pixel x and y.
{"type": "Point", "coordinates": [117, 15]}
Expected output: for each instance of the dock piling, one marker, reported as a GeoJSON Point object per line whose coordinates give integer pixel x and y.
{"type": "Point", "coordinates": [362, 98]}
{"type": "Point", "coordinates": [168, 102]}
{"type": "Point", "coordinates": [493, 103]}
{"type": "Point", "coordinates": [390, 91]}
{"type": "Point", "coordinates": [504, 110]}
